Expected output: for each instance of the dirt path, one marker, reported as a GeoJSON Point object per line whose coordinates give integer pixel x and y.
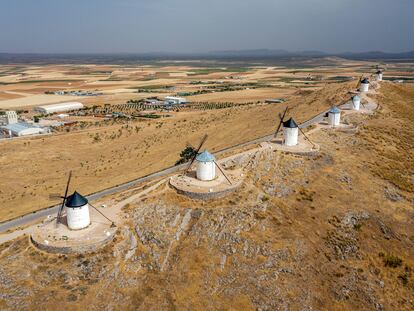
{"type": "Point", "coordinates": [114, 212]}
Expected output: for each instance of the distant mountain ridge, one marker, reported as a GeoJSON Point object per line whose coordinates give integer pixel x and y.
{"type": "Point", "coordinates": [267, 52]}
{"type": "Point", "coordinates": [313, 53]}
{"type": "Point", "coordinates": [255, 54]}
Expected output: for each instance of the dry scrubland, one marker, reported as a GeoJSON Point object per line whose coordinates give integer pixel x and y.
{"type": "Point", "coordinates": [244, 96]}
{"type": "Point", "coordinates": [329, 232]}
{"type": "Point", "coordinates": [104, 157]}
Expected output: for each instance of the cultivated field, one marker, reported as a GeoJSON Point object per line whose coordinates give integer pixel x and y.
{"type": "Point", "coordinates": [104, 154]}
{"type": "Point", "coordinates": [333, 231]}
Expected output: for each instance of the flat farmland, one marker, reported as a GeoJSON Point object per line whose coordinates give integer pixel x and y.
{"type": "Point", "coordinates": [243, 96]}
{"type": "Point", "coordinates": [105, 154]}
{"type": "Point", "coordinates": [140, 147]}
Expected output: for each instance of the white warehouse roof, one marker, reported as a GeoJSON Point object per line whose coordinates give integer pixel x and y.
{"type": "Point", "coordinates": [179, 100]}
{"type": "Point", "coordinates": [62, 107]}
{"type": "Point", "coordinates": [22, 129]}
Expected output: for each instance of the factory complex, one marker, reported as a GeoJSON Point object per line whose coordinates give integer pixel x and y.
{"type": "Point", "coordinates": [62, 107]}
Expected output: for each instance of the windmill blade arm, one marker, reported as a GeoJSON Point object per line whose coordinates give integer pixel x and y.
{"type": "Point", "coordinates": [303, 133]}
{"type": "Point", "coordinates": [113, 223]}
{"type": "Point", "coordinates": [359, 81]}
{"type": "Point", "coordinates": [196, 152]}
{"type": "Point", "coordinates": [191, 162]}
{"type": "Point", "coordinates": [278, 128]}
{"type": "Point", "coordinates": [60, 211]}
{"type": "Point", "coordinates": [281, 117]}
{"type": "Point", "coordinates": [59, 215]}
{"type": "Point", "coordinates": [202, 143]}
{"type": "Point", "coordinates": [284, 113]}
{"type": "Point", "coordinates": [221, 170]}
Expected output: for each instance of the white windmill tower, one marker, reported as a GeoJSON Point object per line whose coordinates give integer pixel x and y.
{"type": "Point", "coordinates": [77, 209]}
{"type": "Point", "coordinates": [206, 168]}
{"type": "Point", "coordinates": [334, 117]}
{"type": "Point", "coordinates": [378, 75]}
{"type": "Point", "coordinates": [206, 164]}
{"type": "Point", "coordinates": [356, 102]}
{"type": "Point", "coordinates": [290, 130]}
{"type": "Point", "coordinates": [364, 85]}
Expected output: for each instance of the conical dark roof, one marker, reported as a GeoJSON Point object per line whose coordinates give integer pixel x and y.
{"type": "Point", "coordinates": [76, 200]}
{"type": "Point", "coordinates": [365, 81]}
{"type": "Point", "coordinates": [290, 123]}
{"type": "Point", "coordinates": [379, 72]}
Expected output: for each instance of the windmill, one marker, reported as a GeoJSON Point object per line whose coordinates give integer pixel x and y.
{"type": "Point", "coordinates": [77, 204]}
{"type": "Point", "coordinates": [290, 124]}
{"type": "Point", "coordinates": [359, 82]}
{"type": "Point", "coordinates": [347, 100]}
{"type": "Point", "coordinates": [64, 197]}
{"type": "Point", "coordinates": [210, 158]}
{"type": "Point", "coordinates": [378, 74]}
{"type": "Point", "coordinates": [196, 152]}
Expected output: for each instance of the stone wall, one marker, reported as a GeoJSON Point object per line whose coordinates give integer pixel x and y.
{"type": "Point", "coordinates": [91, 247]}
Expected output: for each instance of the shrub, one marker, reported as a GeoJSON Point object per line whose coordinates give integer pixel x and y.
{"type": "Point", "coordinates": [186, 155]}
{"type": "Point", "coordinates": [403, 278]}
{"type": "Point", "coordinates": [96, 138]}
{"type": "Point", "coordinates": [392, 261]}
{"type": "Point", "coordinates": [357, 227]}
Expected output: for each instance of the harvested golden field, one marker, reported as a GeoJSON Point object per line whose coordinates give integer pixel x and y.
{"type": "Point", "coordinates": [332, 231]}
{"type": "Point", "coordinates": [34, 100]}
{"type": "Point", "coordinates": [244, 96]}
{"type": "Point", "coordinates": [109, 153]}
{"type": "Point", "coordinates": [107, 156]}
{"type": "Point", "coordinates": [7, 96]}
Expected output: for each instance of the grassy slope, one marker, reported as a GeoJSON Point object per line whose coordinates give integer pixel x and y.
{"type": "Point", "coordinates": [326, 244]}
{"type": "Point", "coordinates": [39, 166]}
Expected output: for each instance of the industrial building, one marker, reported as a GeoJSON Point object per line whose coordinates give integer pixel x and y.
{"type": "Point", "coordinates": [11, 117]}
{"type": "Point", "coordinates": [275, 101]}
{"type": "Point", "coordinates": [62, 107]}
{"type": "Point", "coordinates": [175, 100]}
{"type": "Point", "coordinates": [21, 129]}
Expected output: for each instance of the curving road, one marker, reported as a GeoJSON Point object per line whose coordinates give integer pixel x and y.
{"type": "Point", "coordinates": [52, 210]}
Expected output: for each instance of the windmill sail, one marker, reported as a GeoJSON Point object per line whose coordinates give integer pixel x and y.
{"type": "Point", "coordinates": [203, 140]}
{"type": "Point", "coordinates": [281, 117]}
{"type": "Point", "coordinates": [59, 215]}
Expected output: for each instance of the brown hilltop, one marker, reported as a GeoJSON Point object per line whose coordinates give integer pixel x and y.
{"type": "Point", "coordinates": [105, 156]}
{"type": "Point", "coordinates": [328, 232]}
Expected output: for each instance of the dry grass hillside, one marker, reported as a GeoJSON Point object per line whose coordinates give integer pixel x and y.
{"type": "Point", "coordinates": [328, 232]}
{"type": "Point", "coordinates": [107, 156]}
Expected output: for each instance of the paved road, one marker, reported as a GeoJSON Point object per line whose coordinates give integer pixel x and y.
{"type": "Point", "coordinates": [41, 214]}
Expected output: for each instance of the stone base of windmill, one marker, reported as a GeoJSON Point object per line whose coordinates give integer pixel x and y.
{"type": "Point", "coordinates": [342, 127]}
{"type": "Point", "coordinates": [189, 185]}
{"type": "Point", "coordinates": [304, 147]}
{"type": "Point", "coordinates": [60, 239]}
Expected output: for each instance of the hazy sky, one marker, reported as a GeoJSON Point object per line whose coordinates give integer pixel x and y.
{"type": "Point", "coordinates": [205, 25]}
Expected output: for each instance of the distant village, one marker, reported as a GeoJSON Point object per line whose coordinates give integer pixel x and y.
{"type": "Point", "coordinates": [47, 117]}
